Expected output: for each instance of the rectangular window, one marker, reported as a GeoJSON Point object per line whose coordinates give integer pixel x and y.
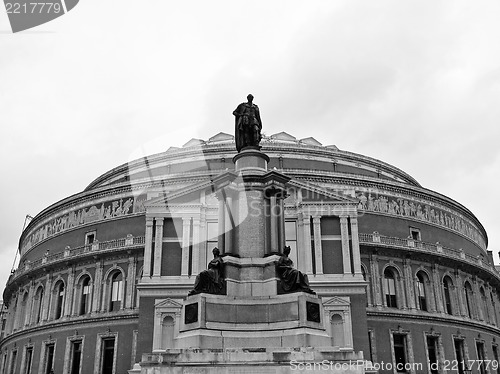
{"type": "Point", "coordinates": [28, 359]}
{"type": "Point", "coordinates": [49, 358]}
{"type": "Point", "coordinates": [108, 355]}
{"type": "Point", "coordinates": [13, 360]}
{"type": "Point", "coordinates": [400, 354]}
{"type": "Point", "coordinates": [481, 357]}
{"type": "Point", "coordinates": [415, 233]}
{"type": "Point", "coordinates": [90, 237]}
{"type": "Point", "coordinates": [76, 356]}
{"type": "Point", "coordinates": [460, 355]}
{"type": "Point", "coordinates": [433, 353]}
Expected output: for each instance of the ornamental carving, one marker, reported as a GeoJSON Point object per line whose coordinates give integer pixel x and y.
{"type": "Point", "coordinates": [419, 211]}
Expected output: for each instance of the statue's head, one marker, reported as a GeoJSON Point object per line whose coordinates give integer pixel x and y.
{"type": "Point", "coordinates": [250, 97]}
{"type": "Point", "coordinates": [216, 252]}
{"type": "Point", "coordinates": [287, 250]}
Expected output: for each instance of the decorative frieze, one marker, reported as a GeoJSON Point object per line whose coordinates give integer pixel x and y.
{"type": "Point", "coordinates": [94, 213]}
{"type": "Point", "coordinates": [419, 210]}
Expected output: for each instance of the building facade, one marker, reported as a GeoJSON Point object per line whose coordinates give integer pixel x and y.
{"type": "Point", "coordinates": [404, 272]}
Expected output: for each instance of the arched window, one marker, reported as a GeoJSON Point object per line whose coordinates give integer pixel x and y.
{"type": "Point", "coordinates": [38, 305]}
{"type": "Point", "coordinates": [85, 296]}
{"type": "Point", "coordinates": [468, 299]}
{"type": "Point", "coordinates": [421, 296]}
{"type": "Point", "coordinates": [59, 300]}
{"type": "Point", "coordinates": [447, 288]}
{"type": "Point", "coordinates": [486, 311]}
{"type": "Point", "coordinates": [116, 291]}
{"type": "Point", "coordinates": [390, 288]}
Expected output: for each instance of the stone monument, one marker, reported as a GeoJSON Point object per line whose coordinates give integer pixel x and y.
{"type": "Point", "coordinates": [251, 311]}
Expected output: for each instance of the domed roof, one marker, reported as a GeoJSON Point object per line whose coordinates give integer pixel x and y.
{"type": "Point", "coordinates": [287, 153]}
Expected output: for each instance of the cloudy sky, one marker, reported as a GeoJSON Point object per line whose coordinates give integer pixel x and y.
{"type": "Point", "coordinates": [415, 84]}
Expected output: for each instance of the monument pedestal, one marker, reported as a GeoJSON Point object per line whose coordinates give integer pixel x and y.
{"type": "Point", "coordinates": [253, 328]}
{"type": "Point", "coordinates": [216, 321]}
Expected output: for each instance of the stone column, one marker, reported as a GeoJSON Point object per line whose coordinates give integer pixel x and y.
{"type": "Point", "coordinates": [186, 236]}
{"type": "Point", "coordinates": [375, 280]}
{"type": "Point", "coordinates": [202, 262]}
{"type": "Point", "coordinates": [409, 284]}
{"type": "Point", "coordinates": [158, 247]}
{"type": "Point", "coordinates": [318, 251]}
{"type": "Point", "coordinates": [355, 245]}
{"type": "Point", "coordinates": [195, 266]}
{"type": "Point", "coordinates": [131, 271]}
{"type": "Point", "coordinates": [437, 289]}
{"type": "Point", "coordinates": [69, 292]}
{"type": "Point", "coordinates": [47, 294]}
{"type": "Point", "coordinates": [307, 244]}
{"type": "Point", "coordinates": [346, 253]}
{"type": "Point", "coordinates": [98, 285]}
{"type": "Point", "coordinates": [222, 223]}
{"type": "Point", "coordinates": [148, 248]}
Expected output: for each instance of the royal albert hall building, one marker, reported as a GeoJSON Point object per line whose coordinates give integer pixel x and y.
{"type": "Point", "coordinates": [403, 272]}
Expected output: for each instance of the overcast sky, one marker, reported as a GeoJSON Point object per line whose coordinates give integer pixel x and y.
{"type": "Point", "coordinates": [415, 84]}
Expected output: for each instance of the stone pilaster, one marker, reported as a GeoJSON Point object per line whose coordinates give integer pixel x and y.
{"type": "Point", "coordinates": [46, 302]}
{"type": "Point", "coordinates": [307, 244]}
{"type": "Point", "coordinates": [98, 285]}
{"type": "Point", "coordinates": [131, 272]}
{"type": "Point", "coordinates": [275, 245]}
{"type": "Point", "coordinates": [375, 280]}
{"type": "Point", "coordinates": [318, 251]}
{"type": "Point", "coordinates": [438, 286]}
{"type": "Point", "coordinates": [462, 308]}
{"type": "Point", "coordinates": [186, 242]}
{"type": "Point", "coordinates": [148, 247]}
{"type": "Point", "coordinates": [228, 226]}
{"type": "Point", "coordinates": [355, 245]}
{"type": "Point", "coordinates": [346, 252]}
{"type": "Point", "coordinates": [221, 222]}
{"type": "Point", "coordinates": [478, 300]}
{"type": "Point", "coordinates": [301, 252]}
{"type": "Point", "coordinates": [409, 284]}
{"type": "Point", "coordinates": [68, 300]}
{"type": "Point", "coordinates": [158, 247]}
{"type": "Point", "coordinates": [31, 303]}
{"type": "Point", "coordinates": [197, 240]}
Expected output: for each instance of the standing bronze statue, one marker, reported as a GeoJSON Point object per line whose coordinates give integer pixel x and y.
{"type": "Point", "coordinates": [248, 125]}
{"type": "Point", "coordinates": [292, 280]}
{"type": "Point", "coordinates": [212, 279]}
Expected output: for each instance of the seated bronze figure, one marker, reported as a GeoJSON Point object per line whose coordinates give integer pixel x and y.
{"type": "Point", "coordinates": [292, 280]}
{"type": "Point", "coordinates": [212, 279]}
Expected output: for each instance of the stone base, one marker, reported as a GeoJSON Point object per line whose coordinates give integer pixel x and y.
{"type": "Point", "coordinates": [251, 159]}
{"type": "Point", "coordinates": [261, 361]}
{"type": "Point", "coordinates": [216, 321]}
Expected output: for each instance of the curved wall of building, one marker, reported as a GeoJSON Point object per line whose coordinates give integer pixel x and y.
{"type": "Point", "coordinates": [75, 301]}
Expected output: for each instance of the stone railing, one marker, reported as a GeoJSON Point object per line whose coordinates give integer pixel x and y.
{"type": "Point", "coordinates": [68, 252]}
{"type": "Point", "coordinates": [420, 246]}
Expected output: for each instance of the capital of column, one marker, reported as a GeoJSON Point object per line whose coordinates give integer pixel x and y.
{"type": "Point", "coordinates": [159, 221]}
